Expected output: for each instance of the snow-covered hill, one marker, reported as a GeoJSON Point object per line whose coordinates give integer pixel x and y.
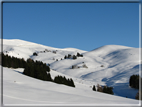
{"type": "Point", "coordinates": [110, 65]}
{"type": "Point", "coordinates": [19, 89]}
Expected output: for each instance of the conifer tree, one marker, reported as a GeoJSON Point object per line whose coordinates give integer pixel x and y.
{"type": "Point", "coordinates": [65, 57]}
{"type": "Point", "coordinates": [94, 88]}
{"type": "Point", "coordinates": [74, 57]}
{"type": "Point", "coordinates": [69, 56]}
{"type": "Point", "coordinates": [134, 81]}
{"type": "Point", "coordinates": [78, 54]}
{"type": "Point", "coordinates": [72, 83]}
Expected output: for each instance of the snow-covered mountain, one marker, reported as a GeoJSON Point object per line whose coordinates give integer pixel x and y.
{"type": "Point", "coordinates": [110, 65]}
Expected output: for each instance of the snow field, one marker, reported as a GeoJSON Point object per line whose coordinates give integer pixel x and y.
{"type": "Point", "coordinates": [110, 65]}
{"type": "Point", "coordinates": [21, 89]}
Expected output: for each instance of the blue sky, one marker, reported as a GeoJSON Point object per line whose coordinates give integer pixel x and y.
{"type": "Point", "coordinates": [85, 26]}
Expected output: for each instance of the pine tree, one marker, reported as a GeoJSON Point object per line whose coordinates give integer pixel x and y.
{"type": "Point", "coordinates": [49, 77]}
{"type": "Point", "coordinates": [78, 54]}
{"type": "Point", "coordinates": [69, 56]}
{"type": "Point", "coordinates": [94, 88]}
{"type": "Point", "coordinates": [105, 89]}
{"type": "Point", "coordinates": [74, 57]}
{"type": "Point", "coordinates": [72, 83]}
{"type": "Point", "coordinates": [62, 80]}
{"type": "Point", "coordinates": [99, 88]}
{"type": "Point", "coordinates": [47, 68]}
{"type": "Point", "coordinates": [65, 57]}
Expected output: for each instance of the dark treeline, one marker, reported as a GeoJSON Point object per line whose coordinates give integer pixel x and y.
{"type": "Point", "coordinates": [8, 61]}
{"type": "Point", "coordinates": [69, 56]}
{"type": "Point", "coordinates": [63, 80]}
{"type": "Point", "coordinates": [35, 69]}
{"type": "Point", "coordinates": [108, 90]}
{"type": "Point", "coordinates": [134, 81]}
{"type": "Point", "coordinates": [104, 89]}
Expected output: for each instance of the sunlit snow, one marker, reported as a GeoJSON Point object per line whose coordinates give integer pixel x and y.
{"type": "Point", "coordinates": [110, 65]}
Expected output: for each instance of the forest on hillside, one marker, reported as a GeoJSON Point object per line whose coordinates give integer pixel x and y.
{"type": "Point", "coordinates": [35, 69]}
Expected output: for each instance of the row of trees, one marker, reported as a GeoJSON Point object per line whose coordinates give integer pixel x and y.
{"type": "Point", "coordinates": [79, 55]}
{"type": "Point", "coordinates": [62, 80]}
{"type": "Point", "coordinates": [35, 69]}
{"type": "Point", "coordinates": [8, 61]}
{"type": "Point", "coordinates": [36, 53]}
{"type": "Point", "coordinates": [13, 62]}
{"type": "Point", "coordinates": [104, 89]}
{"type": "Point", "coordinates": [134, 81]}
{"type": "Point", "coordinates": [69, 56]}
{"type": "Point", "coordinates": [38, 70]}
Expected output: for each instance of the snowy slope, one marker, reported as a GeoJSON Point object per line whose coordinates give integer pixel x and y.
{"type": "Point", "coordinates": [24, 49]}
{"type": "Point", "coordinates": [119, 63]}
{"type": "Point", "coordinates": [110, 65]}
{"type": "Point", "coordinates": [19, 89]}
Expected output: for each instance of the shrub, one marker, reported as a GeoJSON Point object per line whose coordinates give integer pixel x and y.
{"type": "Point", "coordinates": [54, 52]}
{"type": "Point", "coordinates": [74, 66]}
{"type": "Point", "coordinates": [84, 66]}
{"type": "Point", "coordinates": [35, 54]}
